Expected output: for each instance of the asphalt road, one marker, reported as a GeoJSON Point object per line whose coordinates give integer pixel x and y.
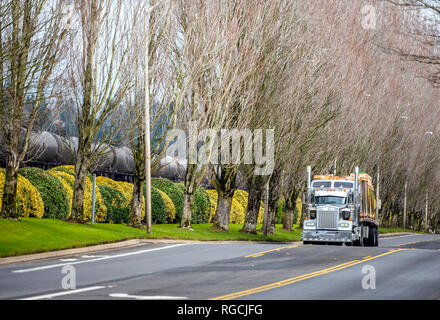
{"type": "Point", "coordinates": [402, 267]}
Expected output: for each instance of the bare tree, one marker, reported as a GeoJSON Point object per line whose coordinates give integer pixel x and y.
{"type": "Point", "coordinates": [162, 86]}
{"type": "Point", "coordinates": [209, 35]}
{"type": "Point", "coordinates": [31, 38]}
{"type": "Point", "coordinates": [99, 82]}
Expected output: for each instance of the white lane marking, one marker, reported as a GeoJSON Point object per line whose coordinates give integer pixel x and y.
{"type": "Point", "coordinates": [125, 296]}
{"type": "Point", "coordinates": [88, 257]}
{"type": "Point", "coordinates": [63, 293]}
{"type": "Point", "coordinates": [97, 259]}
{"type": "Point", "coordinates": [68, 260]}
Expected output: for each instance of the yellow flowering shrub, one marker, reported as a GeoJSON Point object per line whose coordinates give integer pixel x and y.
{"type": "Point", "coordinates": [242, 197]}
{"type": "Point", "coordinates": [238, 207]}
{"type": "Point", "coordinates": [169, 206]}
{"type": "Point", "coordinates": [100, 208]}
{"type": "Point", "coordinates": [29, 201]}
{"type": "Point", "coordinates": [63, 178]}
{"type": "Point", "coordinates": [126, 190]}
{"type": "Point", "coordinates": [299, 207]}
{"type": "Point", "coordinates": [213, 198]}
{"type": "Point", "coordinates": [123, 187]}
{"type": "Point", "coordinates": [238, 213]}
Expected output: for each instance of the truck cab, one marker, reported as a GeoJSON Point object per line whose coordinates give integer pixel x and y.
{"type": "Point", "coordinates": [340, 210]}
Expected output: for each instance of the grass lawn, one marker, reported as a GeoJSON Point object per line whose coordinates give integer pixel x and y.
{"type": "Point", "coordinates": [30, 235]}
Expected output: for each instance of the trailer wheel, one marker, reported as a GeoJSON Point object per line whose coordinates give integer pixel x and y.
{"type": "Point", "coordinates": [376, 236]}
{"type": "Point", "coordinates": [373, 236]}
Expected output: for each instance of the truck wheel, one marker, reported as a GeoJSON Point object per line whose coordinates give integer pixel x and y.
{"type": "Point", "coordinates": [366, 242]}
{"type": "Point", "coordinates": [371, 237]}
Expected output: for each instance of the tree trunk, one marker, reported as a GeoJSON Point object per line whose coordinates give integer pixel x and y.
{"type": "Point", "coordinates": [188, 196]}
{"type": "Point", "coordinates": [290, 212]}
{"type": "Point", "coordinates": [188, 202]}
{"type": "Point", "coordinates": [79, 187]}
{"type": "Point", "coordinates": [253, 208]}
{"type": "Point", "coordinates": [135, 218]}
{"type": "Point", "coordinates": [272, 213]}
{"type": "Point", "coordinates": [225, 185]}
{"type": "Point", "coordinates": [221, 218]}
{"type": "Point", "coordinates": [136, 202]}
{"type": "Point", "coordinates": [9, 206]}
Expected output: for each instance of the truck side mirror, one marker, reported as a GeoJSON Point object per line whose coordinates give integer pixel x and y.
{"type": "Point", "coordinates": [379, 204]}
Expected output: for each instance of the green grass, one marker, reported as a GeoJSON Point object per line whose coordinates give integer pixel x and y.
{"type": "Point", "coordinates": [30, 235]}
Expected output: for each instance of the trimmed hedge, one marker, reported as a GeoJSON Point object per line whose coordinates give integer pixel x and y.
{"type": "Point", "coordinates": [68, 180]}
{"type": "Point", "coordinates": [55, 199]}
{"type": "Point", "coordinates": [173, 191]}
{"type": "Point", "coordinates": [201, 207]}
{"type": "Point", "coordinates": [170, 209]}
{"type": "Point", "coordinates": [237, 214]}
{"type": "Point", "coordinates": [158, 207]}
{"type": "Point", "coordinates": [238, 207]}
{"type": "Point", "coordinates": [116, 203]}
{"type": "Point", "coordinates": [29, 202]}
{"type": "Point", "coordinates": [281, 209]}
{"type": "Point", "coordinates": [125, 188]}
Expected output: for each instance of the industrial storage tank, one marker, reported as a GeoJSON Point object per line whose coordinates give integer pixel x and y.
{"type": "Point", "coordinates": [49, 150]}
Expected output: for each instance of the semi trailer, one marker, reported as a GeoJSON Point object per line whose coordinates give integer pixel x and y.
{"type": "Point", "coordinates": [340, 210]}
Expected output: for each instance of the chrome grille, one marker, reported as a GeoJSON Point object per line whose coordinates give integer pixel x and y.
{"type": "Point", "coordinates": [327, 219]}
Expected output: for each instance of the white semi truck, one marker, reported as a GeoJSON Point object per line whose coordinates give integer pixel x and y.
{"type": "Point", "coordinates": [340, 209]}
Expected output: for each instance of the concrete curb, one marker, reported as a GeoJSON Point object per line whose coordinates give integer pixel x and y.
{"type": "Point", "coordinates": [113, 246]}
{"type": "Point", "coordinates": [69, 252]}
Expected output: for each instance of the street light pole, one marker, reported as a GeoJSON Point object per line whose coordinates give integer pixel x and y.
{"type": "Point", "coordinates": [147, 127]}
{"type": "Point", "coordinates": [404, 204]}
{"type": "Point", "coordinates": [426, 212]}
{"type": "Point", "coordinates": [429, 133]}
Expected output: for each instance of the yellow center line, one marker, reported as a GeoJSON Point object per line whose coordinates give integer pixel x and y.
{"type": "Point", "coordinates": [259, 254]}
{"type": "Point", "coordinates": [301, 277]}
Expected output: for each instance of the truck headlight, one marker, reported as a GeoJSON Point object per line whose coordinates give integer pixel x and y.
{"type": "Point", "coordinates": [310, 224]}
{"type": "Point", "coordinates": [344, 225]}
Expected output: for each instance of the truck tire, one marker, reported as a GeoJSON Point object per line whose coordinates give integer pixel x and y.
{"type": "Point", "coordinates": [377, 238]}
{"type": "Point", "coordinates": [370, 237]}
{"type": "Point", "coordinates": [373, 236]}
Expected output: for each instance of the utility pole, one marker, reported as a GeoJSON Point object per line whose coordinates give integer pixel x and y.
{"type": "Point", "coordinates": [426, 212]}
{"type": "Point", "coordinates": [377, 192]}
{"type": "Point", "coordinates": [147, 126]}
{"type": "Point", "coordinates": [404, 204]}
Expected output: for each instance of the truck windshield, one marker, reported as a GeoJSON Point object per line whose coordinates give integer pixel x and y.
{"type": "Point", "coordinates": [330, 200]}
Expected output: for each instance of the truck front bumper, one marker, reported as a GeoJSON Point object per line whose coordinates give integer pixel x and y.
{"type": "Point", "coordinates": [327, 236]}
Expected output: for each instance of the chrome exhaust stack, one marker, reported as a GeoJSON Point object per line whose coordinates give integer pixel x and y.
{"type": "Point", "coordinates": [356, 179]}
{"type": "Point", "coordinates": [309, 183]}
